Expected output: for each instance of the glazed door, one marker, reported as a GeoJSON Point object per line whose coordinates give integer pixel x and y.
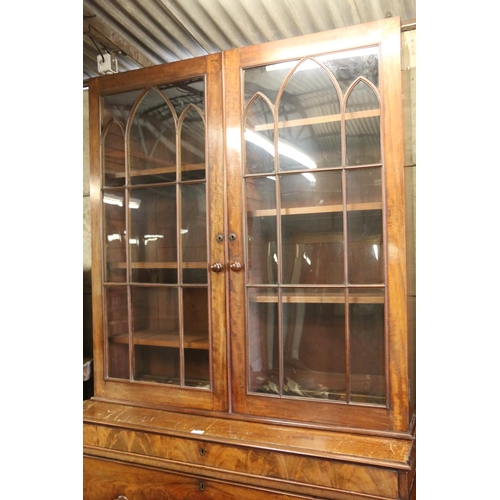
{"type": "Point", "coordinates": [315, 172]}
{"type": "Point", "coordinates": [161, 338]}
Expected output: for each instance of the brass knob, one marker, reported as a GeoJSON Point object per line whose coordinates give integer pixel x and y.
{"type": "Point", "coordinates": [121, 497]}
{"type": "Point", "coordinates": [235, 266]}
{"type": "Point", "coordinates": [217, 267]}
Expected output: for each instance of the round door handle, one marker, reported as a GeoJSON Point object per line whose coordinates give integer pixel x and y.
{"type": "Point", "coordinates": [217, 267]}
{"type": "Point", "coordinates": [121, 497]}
{"type": "Point", "coordinates": [235, 266]}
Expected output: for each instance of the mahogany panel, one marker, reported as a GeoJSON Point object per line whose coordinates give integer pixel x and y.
{"type": "Point", "coordinates": [301, 469]}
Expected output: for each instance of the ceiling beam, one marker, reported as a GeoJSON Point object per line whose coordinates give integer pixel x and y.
{"type": "Point", "coordinates": [98, 30]}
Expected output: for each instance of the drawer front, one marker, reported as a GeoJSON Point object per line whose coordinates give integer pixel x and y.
{"type": "Point", "coordinates": [258, 463]}
{"type": "Point", "coordinates": [108, 480]}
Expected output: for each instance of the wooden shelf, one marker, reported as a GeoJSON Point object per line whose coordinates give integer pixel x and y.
{"type": "Point", "coordinates": [351, 207]}
{"type": "Point", "coordinates": [158, 265]}
{"type": "Point", "coordinates": [164, 339]}
{"type": "Point", "coordinates": [313, 297]}
{"type": "Point", "coordinates": [356, 115]}
{"type": "Point", "coordinates": [164, 168]}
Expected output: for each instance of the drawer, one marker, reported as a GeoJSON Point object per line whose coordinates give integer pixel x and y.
{"type": "Point", "coordinates": [109, 480]}
{"type": "Point", "coordinates": [256, 464]}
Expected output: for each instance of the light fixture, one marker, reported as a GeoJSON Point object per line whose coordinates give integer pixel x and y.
{"type": "Point", "coordinates": [107, 64]}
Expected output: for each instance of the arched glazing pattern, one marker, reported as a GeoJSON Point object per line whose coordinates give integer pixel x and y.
{"type": "Point", "coordinates": [113, 165]}
{"type": "Point", "coordinates": [114, 154]}
{"type": "Point", "coordinates": [152, 140]}
{"type": "Point", "coordinates": [156, 225]}
{"type": "Point", "coordinates": [308, 134]}
{"type": "Point", "coordinates": [315, 249]}
{"type": "Point", "coordinates": [362, 124]}
{"type": "Point", "coordinates": [192, 133]}
{"type": "Point", "coordinates": [259, 135]}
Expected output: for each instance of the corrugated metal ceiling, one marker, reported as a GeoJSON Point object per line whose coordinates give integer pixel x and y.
{"type": "Point", "coordinates": [148, 32]}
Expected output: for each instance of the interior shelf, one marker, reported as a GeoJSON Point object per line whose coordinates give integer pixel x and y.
{"type": "Point", "coordinates": [158, 265]}
{"type": "Point", "coordinates": [356, 115]}
{"type": "Point", "coordinates": [313, 297]}
{"type": "Point", "coordinates": [267, 212]}
{"type": "Point", "coordinates": [164, 339]}
{"type": "Point", "coordinates": [163, 168]}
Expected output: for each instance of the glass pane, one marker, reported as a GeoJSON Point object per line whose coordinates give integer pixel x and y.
{"type": "Point", "coordinates": [185, 92]}
{"type": "Point", "coordinates": [196, 337]}
{"type": "Point", "coordinates": [349, 65]}
{"type": "Point", "coordinates": [365, 226]}
{"type": "Point", "coordinates": [314, 348]}
{"type": "Point", "coordinates": [152, 140]}
{"type": "Point", "coordinates": [263, 340]}
{"type": "Point", "coordinates": [114, 155]}
{"type": "Point", "coordinates": [261, 230]}
{"type": "Point", "coordinates": [194, 234]}
{"type": "Point", "coordinates": [118, 106]}
{"type": "Point", "coordinates": [309, 120]}
{"type": "Point", "coordinates": [155, 319]}
{"type": "Point", "coordinates": [312, 228]}
{"type": "Point", "coordinates": [367, 346]}
{"type": "Point", "coordinates": [117, 332]}
{"type": "Point", "coordinates": [363, 126]}
{"type": "Point", "coordinates": [259, 138]}
{"type": "Point", "coordinates": [192, 129]}
{"type": "Point", "coordinates": [153, 234]}
{"type": "Point", "coordinates": [265, 80]}
{"type": "Point", "coordinates": [115, 269]}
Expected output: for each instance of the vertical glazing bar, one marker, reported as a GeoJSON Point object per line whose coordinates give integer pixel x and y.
{"type": "Point", "coordinates": [279, 253]}
{"type": "Point", "coordinates": [179, 255]}
{"type": "Point", "coordinates": [346, 244]}
{"type": "Point", "coordinates": [128, 277]}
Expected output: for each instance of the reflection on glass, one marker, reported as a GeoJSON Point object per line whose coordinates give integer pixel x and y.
{"type": "Point", "coordinates": [367, 346]}
{"type": "Point", "coordinates": [152, 140]}
{"type": "Point", "coordinates": [183, 93]}
{"type": "Point", "coordinates": [263, 352]}
{"type": "Point", "coordinates": [153, 234]}
{"type": "Point", "coordinates": [117, 332]}
{"type": "Point", "coordinates": [312, 229]}
{"type": "Point", "coordinates": [115, 269]}
{"type": "Point", "coordinates": [114, 155]}
{"type": "Point", "coordinates": [118, 106]}
{"type": "Point", "coordinates": [363, 126]}
{"type": "Point", "coordinates": [193, 233]}
{"type": "Point", "coordinates": [349, 65]}
{"type": "Point", "coordinates": [155, 320]}
{"type": "Point", "coordinates": [365, 226]}
{"type": "Point", "coordinates": [196, 337]}
{"type": "Point", "coordinates": [262, 258]}
{"type": "Point", "coordinates": [192, 130]}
